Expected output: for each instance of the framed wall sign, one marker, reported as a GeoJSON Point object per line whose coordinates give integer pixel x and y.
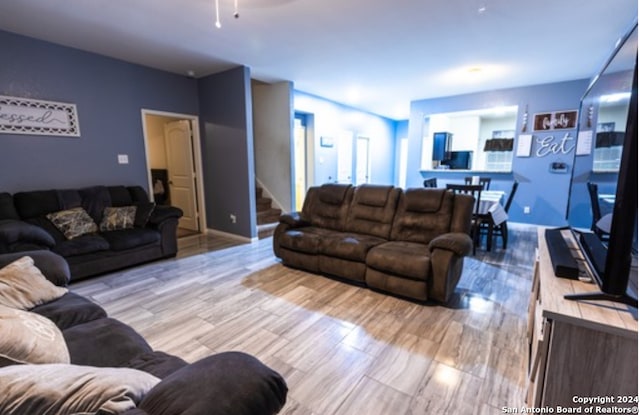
{"type": "Point", "coordinates": [558, 120]}
{"type": "Point", "coordinates": [33, 116]}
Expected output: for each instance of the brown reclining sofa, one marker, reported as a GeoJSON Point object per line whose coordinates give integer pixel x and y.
{"type": "Point", "coordinates": [410, 243]}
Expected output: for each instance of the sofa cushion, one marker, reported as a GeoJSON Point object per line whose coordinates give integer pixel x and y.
{"type": "Point", "coordinates": [424, 200]}
{"type": "Point", "coordinates": [144, 210]}
{"type": "Point", "coordinates": [327, 206]}
{"type": "Point", "coordinates": [130, 238]}
{"type": "Point", "coordinates": [351, 246]}
{"type": "Point", "coordinates": [23, 286]}
{"type": "Point", "coordinates": [157, 363]}
{"type": "Point", "coordinates": [305, 239]}
{"type": "Point", "coordinates": [417, 221]}
{"type": "Point", "coordinates": [71, 389]}
{"type": "Point", "coordinates": [333, 194]}
{"type": "Point", "coordinates": [407, 259]}
{"type": "Point", "coordinates": [81, 245]}
{"type": "Point", "coordinates": [120, 196]}
{"type": "Point", "coordinates": [7, 209]}
{"type": "Point", "coordinates": [372, 209]}
{"type": "Point", "coordinates": [104, 342]}
{"type": "Point", "coordinates": [14, 231]}
{"type": "Point", "coordinates": [69, 310]}
{"type": "Point", "coordinates": [73, 222]}
{"type": "Point", "coordinates": [36, 203]}
{"type": "Point", "coordinates": [138, 194]}
{"type": "Point", "coordinates": [116, 218]}
{"type": "Point", "coordinates": [69, 198]}
{"type": "Point", "coordinates": [45, 224]}
{"type": "Point", "coordinates": [94, 200]}
{"type": "Point", "coordinates": [29, 338]}
{"type": "Point", "coordinates": [223, 384]}
{"type": "Point", "coordinates": [53, 266]}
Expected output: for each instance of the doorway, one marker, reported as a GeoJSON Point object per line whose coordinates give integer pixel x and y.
{"type": "Point", "coordinates": [173, 155]}
{"type": "Point", "coordinates": [353, 159]}
{"type": "Point", "coordinates": [363, 164]}
{"type": "Point", "coordinates": [300, 159]}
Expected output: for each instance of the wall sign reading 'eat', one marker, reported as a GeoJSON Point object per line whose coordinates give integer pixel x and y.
{"type": "Point", "coordinates": [32, 116]}
{"type": "Point", "coordinates": [550, 145]}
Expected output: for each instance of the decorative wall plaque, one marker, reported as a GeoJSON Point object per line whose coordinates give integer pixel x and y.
{"type": "Point", "coordinates": [32, 116]}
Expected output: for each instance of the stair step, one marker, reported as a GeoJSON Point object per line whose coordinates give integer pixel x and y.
{"type": "Point", "coordinates": [258, 192]}
{"type": "Point", "coordinates": [263, 203]}
{"type": "Point", "coordinates": [269, 216]}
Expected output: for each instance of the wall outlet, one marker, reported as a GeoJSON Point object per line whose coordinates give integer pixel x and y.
{"type": "Point", "coordinates": [123, 159]}
{"type": "Point", "coordinates": [233, 218]}
{"type": "Point", "coordinates": [527, 210]}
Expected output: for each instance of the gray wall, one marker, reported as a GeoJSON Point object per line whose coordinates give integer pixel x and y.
{"type": "Point", "coordinates": [273, 135]}
{"type": "Point", "coordinates": [227, 151]}
{"type": "Point", "coordinates": [109, 95]}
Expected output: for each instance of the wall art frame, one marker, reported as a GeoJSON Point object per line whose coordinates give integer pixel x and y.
{"type": "Point", "coordinates": [38, 117]}
{"type": "Point", "coordinates": [556, 120]}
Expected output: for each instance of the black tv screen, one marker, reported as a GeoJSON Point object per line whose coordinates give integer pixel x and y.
{"type": "Point", "coordinates": [609, 112]}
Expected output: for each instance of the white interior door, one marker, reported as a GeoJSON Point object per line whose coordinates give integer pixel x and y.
{"type": "Point", "coordinates": [345, 157]}
{"type": "Point", "coordinates": [362, 160]}
{"type": "Point", "coordinates": [182, 177]}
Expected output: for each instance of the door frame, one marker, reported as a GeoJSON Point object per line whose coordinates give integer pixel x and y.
{"type": "Point", "coordinates": [197, 155]}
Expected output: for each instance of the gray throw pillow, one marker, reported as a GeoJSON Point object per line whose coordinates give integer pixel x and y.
{"type": "Point", "coordinates": [71, 389]}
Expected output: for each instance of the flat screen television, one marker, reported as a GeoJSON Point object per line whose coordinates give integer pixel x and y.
{"type": "Point", "coordinates": [610, 262]}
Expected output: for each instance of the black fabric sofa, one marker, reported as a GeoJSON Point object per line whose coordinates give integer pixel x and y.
{"type": "Point", "coordinates": [228, 383]}
{"type": "Point", "coordinates": [24, 225]}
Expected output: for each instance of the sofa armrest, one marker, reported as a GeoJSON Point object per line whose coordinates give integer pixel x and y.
{"type": "Point", "coordinates": [293, 219]}
{"type": "Point", "coordinates": [16, 234]}
{"type": "Point", "coordinates": [222, 384]}
{"type": "Point", "coordinates": [54, 267]}
{"type": "Point", "coordinates": [457, 242]}
{"type": "Point", "coordinates": [162, 213]}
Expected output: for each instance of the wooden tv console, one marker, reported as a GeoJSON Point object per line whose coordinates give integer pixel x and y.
{"type": "Point", "coordinates": [578, 349]}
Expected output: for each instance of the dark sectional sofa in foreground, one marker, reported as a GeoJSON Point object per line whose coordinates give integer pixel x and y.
{"type": "Point", "coordinates": [96, 229]}
{"type": "Point", "coordinates": [410, 243]}
{"type": "Point", "coordinates": [65, 355]}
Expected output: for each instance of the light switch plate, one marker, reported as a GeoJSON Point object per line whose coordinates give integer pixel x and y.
{"type": "Point", "coordinates": [123, 159]}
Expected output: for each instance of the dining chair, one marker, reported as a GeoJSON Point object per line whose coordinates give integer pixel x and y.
{"type": "Point", "coordinates": [431, 182]}
{"type": "Point", "coordinates": [474, 190]}
{"type": "Point", "coordinates": [596, 212]}
{"type": "Point", "coordinates": [484, 181]}
{"type": "Point", "coordinates": [488, 226]}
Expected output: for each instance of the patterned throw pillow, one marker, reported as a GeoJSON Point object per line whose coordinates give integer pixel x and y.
{"type": "Point", "coordinates": [115, 218]}
{"type": "Point", "coordinates": [73, 222]}
{"type": "Point", "coordinates": [30, 338]}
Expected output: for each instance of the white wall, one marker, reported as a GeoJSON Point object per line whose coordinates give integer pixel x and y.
{"type": "Point", "coordinates": [330, 119]}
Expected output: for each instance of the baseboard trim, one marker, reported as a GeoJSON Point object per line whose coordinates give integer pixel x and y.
{"type": "Point", "coordinates": [215, 232]}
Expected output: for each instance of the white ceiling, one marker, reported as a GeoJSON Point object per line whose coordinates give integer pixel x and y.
{"type": "Point", "coordinates": [377, 55]}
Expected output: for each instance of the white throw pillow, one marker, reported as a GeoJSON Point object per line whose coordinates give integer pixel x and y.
{"type": "Point", "coordinates": [27, 337]}
{"type": "Point", "coordinates": [71, 389]}
{"type": "Point", "coordinates": [23, 286]}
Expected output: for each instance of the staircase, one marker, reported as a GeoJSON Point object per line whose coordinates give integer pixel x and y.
{"type": "Point", "coordinates": [267, 215]}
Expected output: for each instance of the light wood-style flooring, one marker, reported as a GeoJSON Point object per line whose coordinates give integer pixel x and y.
{"type": "Point", "coordinates": [342, 349]}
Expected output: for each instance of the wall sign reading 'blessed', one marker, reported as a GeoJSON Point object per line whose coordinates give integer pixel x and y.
{"type": "Point", "coordinates": [32, 116]}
